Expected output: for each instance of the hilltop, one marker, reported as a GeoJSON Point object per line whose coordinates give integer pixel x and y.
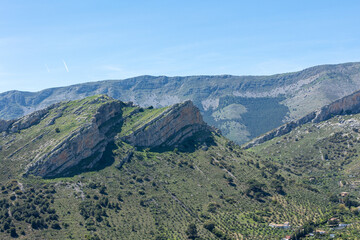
{"type": "Point", "coordinates": [242, 107]}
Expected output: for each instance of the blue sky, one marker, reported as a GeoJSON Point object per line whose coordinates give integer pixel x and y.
{"type": "Point", "coordinates": [56, 43]}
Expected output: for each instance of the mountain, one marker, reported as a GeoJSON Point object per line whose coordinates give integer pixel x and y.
{"type": "Point", "coordinates": [242, 107]}
{"type": "Point", "coordinates": [100, 168]}
{"type": "Point", "coordinates": [347, 105]}
{"type": "Point", "coordinates": [68, 135]}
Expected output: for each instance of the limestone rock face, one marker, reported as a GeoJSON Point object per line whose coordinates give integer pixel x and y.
{"type": "Point", "coordinates": [172, 127]}
{"type": "Point", "coordinates": [4, 125]}
{"type": "Point", "coordinates": [24, 122]}
{"type": "Point", "coordinates": [29, 120]}
{"type": "Point", "coordinates": [346, 105]}
{"type": "Point", "coordinates": [86, 145]}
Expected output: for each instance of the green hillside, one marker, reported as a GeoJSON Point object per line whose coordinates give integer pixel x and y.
{"type": "Point", "coordinates": [326, 156]}
{"type": "Point", "coordinates": [204, 187]}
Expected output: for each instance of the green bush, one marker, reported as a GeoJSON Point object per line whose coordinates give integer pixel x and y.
{"type": "Point", "coordinates": [209, 225]}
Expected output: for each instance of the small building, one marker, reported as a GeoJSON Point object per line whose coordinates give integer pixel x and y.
{"type": "Point", "coordinates": [320, 231]}
{"type": "Point", "coordinates": [272, 224]}
{"type": "Point", "coordinates": [286, 225]}
{"type": "Point", "coordinates": [344, 194]}
{"type": "Point", "coordinates": [333, 222]}
{"type": "Point", "coordinates": [343, 225]}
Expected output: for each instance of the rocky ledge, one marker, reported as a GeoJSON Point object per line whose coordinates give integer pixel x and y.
{"type": "Point", "coordinates": [344, 106]}
{"type": "Point", "coordinates": [15, 125]}
{"type": "Point", "coordinates": [170, 128]}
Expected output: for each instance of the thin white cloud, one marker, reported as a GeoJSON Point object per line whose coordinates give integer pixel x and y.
{"type": "Point", "coordinates": [66, 67]}
{"type": "Point", "coordinates": [115, 71]}
{"type": "Point", "coordinates": [113, 68]}
{"type": "Point", "coordinates": [47, 68]}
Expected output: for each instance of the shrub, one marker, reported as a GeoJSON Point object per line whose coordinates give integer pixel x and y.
{"type": "Point", "coordinates": [13, 232]}
{"type": "Point", "coordinates": [119, 198]}
{"type": "Point", "coordinates": [212, 207]}
{"type": "Point", "coordinates": [102, 190]}
{"type": "Point", "coordinates": [209, 225]}
{"type": "Point", "coordinates": [55, 226]}
{"type": "Point", "coordinates": [191, 231]}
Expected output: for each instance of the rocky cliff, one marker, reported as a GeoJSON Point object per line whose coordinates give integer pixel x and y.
{"type": "Point", "coordinates": [27, 121]}
{"type": "Point", "coordinates": [346, 105]}
{"type": "Point", "coordinates": [169, 128]}
{"type": "Point", "coordinates": [87, 144]}
{"type": "Point", "coordinates": [75, 135]}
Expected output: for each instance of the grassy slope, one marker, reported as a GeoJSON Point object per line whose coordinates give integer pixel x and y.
{"type": "Point", "coordinates": [163, 192]}
{"type": "Point", "coordinates": [158, 193]}
{"type": "Point", "coordinates": [325, 156]}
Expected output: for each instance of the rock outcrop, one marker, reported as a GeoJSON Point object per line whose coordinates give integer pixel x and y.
{"type": "Point", "coordinates": [27, 121]}
{"type": "Point", "coordinates": [85, 145]}
{"type": "Point", "coordinates": [4, 125]}
{"type": "Point", "coordinates": [344, 106]}
{"type": "Point", "coordinates": [171, 127]}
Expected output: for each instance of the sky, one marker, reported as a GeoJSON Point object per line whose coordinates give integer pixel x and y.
{"type": "Point", "coordinates": [52, 43]}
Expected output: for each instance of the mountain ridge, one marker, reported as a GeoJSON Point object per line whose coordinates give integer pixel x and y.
{"type": "Point", "coordinates": [345, 106]}
{"type": "Point", "coordinates": [219, 98]}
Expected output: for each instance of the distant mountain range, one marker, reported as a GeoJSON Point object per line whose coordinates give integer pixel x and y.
{"type": "Point", "coordinates": [242, 107]}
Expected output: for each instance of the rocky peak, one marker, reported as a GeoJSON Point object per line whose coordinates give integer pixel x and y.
{"type": "Point", "coordinates": [171, 127]}
{"type": "Point", "coordinates": [87, 141]}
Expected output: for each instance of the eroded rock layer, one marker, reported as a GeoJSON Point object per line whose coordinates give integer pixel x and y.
{"type": "Point", "coordinates": [169, 128]}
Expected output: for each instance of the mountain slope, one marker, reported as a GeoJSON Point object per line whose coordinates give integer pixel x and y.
{"type": "Point", "coordinates": [325, 155]}
{"type": "Point", "coordinates": [242, 107]}
{"type": "Point", "coordinates": [149, 184]}
{"type": "Point", "coordinates": [347, 105]}
{"type": "Point", "coordinates": [328, 149]}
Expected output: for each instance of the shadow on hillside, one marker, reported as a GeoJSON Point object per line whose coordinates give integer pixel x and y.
{"type": "Point", "coordinates": [106, 160]}
{"type": "Point", "coordinates": [200, 140]}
